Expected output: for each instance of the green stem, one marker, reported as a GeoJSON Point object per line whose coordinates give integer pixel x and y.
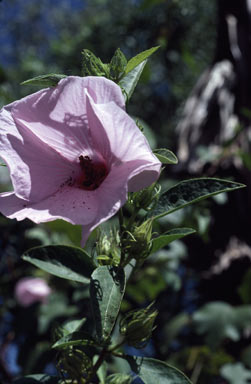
{"type": "Point", "coordinates": [116, 346]}
{"type": "Point", "coordinates": [121, 230]}
{"type": "Point", "coordinates": [98, 364]}
{"type": "Point", "coordinates": [118, 354]}
{"type": "Point", "coordinates": [121, 220]}
{"type": "Point", "coordinates": [132, 218]}
{"type": "Point", "coordinates": [197, 371]}
{"type": "Point", "coordinates": [102, 356]}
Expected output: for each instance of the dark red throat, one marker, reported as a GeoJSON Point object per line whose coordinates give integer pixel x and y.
{"type": "Point", "coordinates": [93, 174]}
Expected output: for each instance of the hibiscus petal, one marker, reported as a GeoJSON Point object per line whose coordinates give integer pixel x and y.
{"type": "Point", "coordinates": [58, 115]}
{"type": "Point", "coordinates": [115, 190]}
{"type": "Point", "coordinates": [70, 204]}
{"type": "Point", "coordinates": [71, 93]}
{"type": "Point", "coordinates": [117, 136]}
{"type": "Point", "coordinates": [45, 136]}
{"type": "Point", "coordinates": [36, 170]}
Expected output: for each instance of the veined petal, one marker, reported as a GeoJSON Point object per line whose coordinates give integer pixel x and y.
{"type": "Point", "coordinates": [70, 204]}
{"type": "Point", "coordinates": [58, 115]}
{"type": "Point", "coordinates": [117, 136]}
{"type": "Point", "coordinates": [115, 189]}
{"type": "Point", "coordinates": [36, 170]}
{"type": "Point", "coordinates": [73, 154]}
{"type": "Point", "coordinates": [143, 176]}
{"type": "Point", "coordinates": [71, 92]}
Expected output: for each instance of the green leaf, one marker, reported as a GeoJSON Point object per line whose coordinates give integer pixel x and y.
{"type": "Point", "coordinates": [106, 290]}
{"type": "Point", "coordinates": [190, 191]}
{"type": "Point", "coordinates": [236, 373]}
{"type": "Point", "coordinates": [72, 326]}
{"type": "Point", "coordinates": [55, 307]}
{"type": "Point", "coordinates": [173, 327]}
{"type": "Point", "coordinates": [67, 262]}
{"type": "Point", "coordinates": [219, 321]}
{"type": "Point", "coordinates": [75, 338]}
{"type": "Point", "coordinates": [49, 80]}
{"type": "Point", "coordinates": [168, 237]}
{"type": "Point", "coordinates": [37, 379]}
{"type": "Point", "coordinates": [73, 232]}
{"type": "Point", "coordinates": [3, 165]}
{"type": "Point", "coordinates": [153, 371]}
{"type": "Point", "coordinates": [138, 59]}
{"type": "Point", "coordinates": [165, 156]}
{"type": "Point", "coordinates": [128, 82]}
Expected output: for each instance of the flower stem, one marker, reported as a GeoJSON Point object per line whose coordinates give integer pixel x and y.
{"type": "Point", "coordinates": [132, 218]}
{"type": "Point", "coordinates": [116, 346]}
{"type": "Point", "coordinates": [98, 364]}
{"type": "Point", "coordinates": [118, 354]}
{"type": "Point", "coordinates": [121, 230]}
{"type": "Point", "coordinates": [121, 220]}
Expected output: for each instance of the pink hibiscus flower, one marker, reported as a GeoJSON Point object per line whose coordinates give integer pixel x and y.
{"type": "Point", "coordinates": [73, 154]}
{"type": "Point", "coordinates": [30, 290]}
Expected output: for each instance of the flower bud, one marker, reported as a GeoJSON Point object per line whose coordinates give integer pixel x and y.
{"type": "Point", "coordinates": [74, 363]}
{"type": "Point", "coordinates": [144, 198]}
{"type": "Point", "coordinates": [137, 326]}
{"type": "Point", "coordinates": [138, 243]}
{"type": "Point", "coordinates": [103, 245]}
{"type": "Point", "coordinates": [30, 290]}
{"type": "Point", "coordinates": [117, 65]}
{"type": "Point", "coordinates": [107, 248]}
{"type": "Point", "coordinates": [92, 65]}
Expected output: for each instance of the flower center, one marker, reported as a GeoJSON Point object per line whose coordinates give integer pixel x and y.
{"type": "Point", "coordinates": [93, 174]}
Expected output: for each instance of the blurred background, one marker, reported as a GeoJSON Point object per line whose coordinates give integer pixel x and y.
{"type": "Point", "coordinates": [194, 97]}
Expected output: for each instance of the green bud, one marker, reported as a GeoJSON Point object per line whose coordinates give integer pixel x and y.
{"type": "Point", "coordinates": [103, 245]}
{"type": "Point", "coordinates": [107, 248]}
{"type": "Point", "coordinates": [119, 378]}
{"type": "Point", "coordinates": [143, 233]}
{"type": "Point", "coordinates": [92, 65]}
{"type": "Point", "coordinates": [74, 363]}
{"type": "Point", "coordinates": [138, 242]}
{"type": "Point", "coordinates": [117, 65]}
{"type": "Point", "coordinates": [137, 326]}
{"type": "Point", "coordinates": [146, 197]}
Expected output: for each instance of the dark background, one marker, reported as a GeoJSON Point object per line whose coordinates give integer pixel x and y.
{"type": "Point", "coordinates": [193, 98]}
